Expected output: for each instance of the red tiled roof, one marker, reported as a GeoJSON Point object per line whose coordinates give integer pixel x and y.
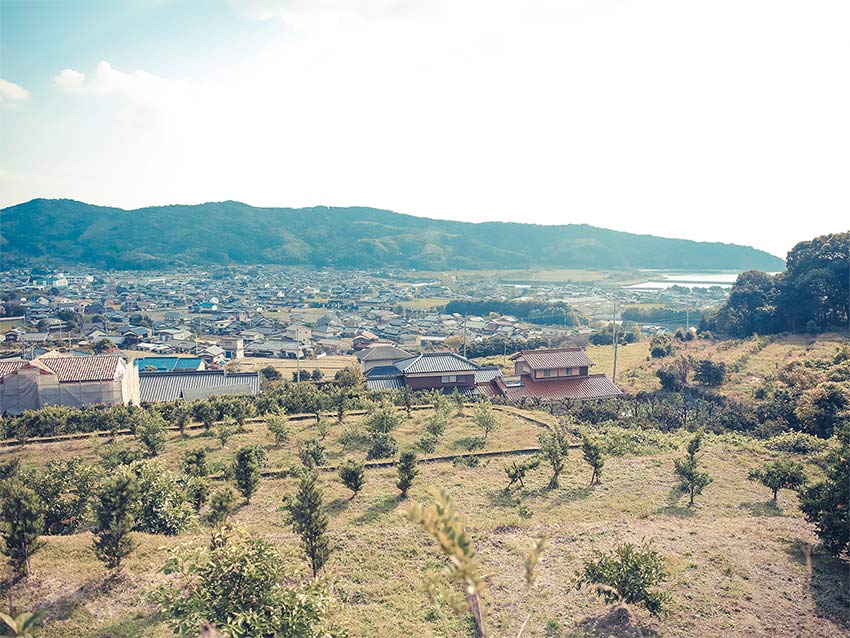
{"type": "Point", "coordinates": [8, 367]}
{"type": "Point", "coordinates": [554, 358]}
{"type": "Point", "coordinates": [594, 386]}
{"type": "Point", "coordinates": [97, 368]}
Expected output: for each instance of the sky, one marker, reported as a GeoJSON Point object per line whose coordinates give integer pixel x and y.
{"type": "Point", "coordinates": [715, 121]}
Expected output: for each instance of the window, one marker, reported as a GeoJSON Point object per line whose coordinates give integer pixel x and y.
{"type": "Point", "coordinates": [547, 373]}
{"type": "Point", "coordinates": [448, 378]}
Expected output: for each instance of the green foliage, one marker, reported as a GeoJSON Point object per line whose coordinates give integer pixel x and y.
{"type": "Point", "coordinates": [516, 470]}
{"type": "Point", "coordinates": [151, 433]}
{"type": "Point", "coordinates": [350, 377]}
{"type": "Point", "coordinates": [270, 373]}
{"type": "Point", "coordinates": [427, 443]}
{"type": "Point", "coordinates": [239, 584]}
{"type": "Point", "coordinates": [164, 508]}
{"type": "Point", "coordinates": [779, 474]}
{"type": "Point", "coordinates": [407, 471]}
{"type": "Point", "coordinates": [383, 418]}
{"type": "Point", "coordinates": [21, 523]}
{"type": "Point", "coordinates": [311, 453]}
{"type": "Point", "coordinates": [352, 476]}
{"type": "Point", "coordinates": [446, 527]}
{"type": "Point", "coordinates": [225, 430]}
{"type": "Point", "coordinates": [114, 508]}
{"type": "Point", "coordinates": [660, 346]}
{"type": "Point", "coordinates": [812, 294]}
{"type": "Point", "coordinates": [797, 443]}
{"type": "Point", "coordinates": [305, 512]}
{"type": "Point", "coordinates": [691, 480]}
{"type": "Point", "coordinates": [709, 373]}
{"type": "Point", "coordinates": [435, 424]}
{"type": "Point", "coordinates": [629, 575]}
{"type": "Point", "coordinates": [222, 504]}
{"type": "Point", "coordinates": [485, 418]}
{"type": "Point", "coordinates": [822, 408]}
{"type": "Point", "coordinates": [316, 236]}
{"type": "Point", "coordinates": [21, 625]}
{"type": "Point", "coordinates": [65, 487]}
{"type": "Point", "coordinates": [194, 462]}
{"type": "Point", "coordinates": [197, 490]}
{"type": "Point", "coordinates": [554, 448]}
{"type": "Point", "coordinates": [383, 446]}
{"type": "Point", "coordinates": [278, 425]}
{"type": "Point", "coordinates": [674, 376]}
{"type": "Point", "coordinates": [246, 470]}
{"type": "Point", "coordinates": [547, 313]}
{"type": "Point", "coordinates": [591, 450]}
{"type": "Point", "coordinates": [825, 503]}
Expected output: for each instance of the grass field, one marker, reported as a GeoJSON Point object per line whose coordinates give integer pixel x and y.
{"type": "Point", "coordinates": [736, 562]}
{"type": "Point", "coordinates": [749, 361]}
{"type": "Point", "coordinates": [426, 303]}
{"type": "Point", "coordinates": [329, 365]}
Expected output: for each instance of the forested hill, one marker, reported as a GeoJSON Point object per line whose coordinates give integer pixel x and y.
{"type": "Point", "coordinates": [230, 232]}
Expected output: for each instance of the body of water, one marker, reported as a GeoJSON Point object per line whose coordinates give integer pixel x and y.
{"type": "Point", "coordinates": [694, 279]}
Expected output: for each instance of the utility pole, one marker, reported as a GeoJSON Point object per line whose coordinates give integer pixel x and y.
{"type": "Point", "coordinates": [614, 339]}
{"type": "Point", "coordinates": [297, 355]}
{"type": "Point", "coordinates": [464, 335]}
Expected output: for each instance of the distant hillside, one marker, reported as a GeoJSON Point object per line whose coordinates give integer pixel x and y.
{"type": "Point", "coordinates": [68, 231]}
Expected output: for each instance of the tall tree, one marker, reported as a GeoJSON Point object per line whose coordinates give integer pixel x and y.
{"type": "Point", "coordinates": [246, 471]}
{"type": "Point", "coordinates": [306, 515]}
{"type": "Point", "coordinates": [21, 523]}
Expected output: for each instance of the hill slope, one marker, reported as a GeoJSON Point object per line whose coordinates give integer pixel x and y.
{"type": "Point", "coordinates": [232, 232]}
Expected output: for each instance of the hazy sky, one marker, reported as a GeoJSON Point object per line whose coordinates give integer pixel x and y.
{"type": "Point", "coordinates": [711, 120]}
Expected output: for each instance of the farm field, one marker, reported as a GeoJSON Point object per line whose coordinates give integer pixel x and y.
{"type": "Point", "coordinates": [737, 563]}
{"type": "Point", "coordinates": [329, 365]}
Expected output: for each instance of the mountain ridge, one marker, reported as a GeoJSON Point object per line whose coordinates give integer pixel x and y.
{"type": "Point", "coordinates": [342, 237]}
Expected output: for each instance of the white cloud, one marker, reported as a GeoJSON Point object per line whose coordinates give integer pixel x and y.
{"type": "Point", "coordinates": [11, 93]}
{"type": "Point", "coordinates": [105, 80]}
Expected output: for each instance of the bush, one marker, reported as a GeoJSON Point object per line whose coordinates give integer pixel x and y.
{"type": "Point", "coordinates": [305, 512]}
{"type": "Point", "coordinates": [517, 470]}
{"type": "Point", "coordinates": [383, 446]}
{"type": "Point", "coordinates": [629, 574]}
{"type": "Point", "coordinates": [246, 470]}
{"type": "Point", "coordinates": [114, 518]}
{"type": "Point", "coordinates": [65, 488]}
{"type": "Point", "coordinates": [407, 471]}
{"type": "Point", "coordinates": [710, 373]}
{"type": "Point", "coordinates": [311, 453]}
{"type": "Point", "coordinates": [222, 504]}
{"type": "Point", "coordinates": [797, 443]}
{"type": "Point", "coordinates": [194, 463]}
{"type": "Point", "coordinates": [485, 418]}
{"type": "Point", "coordinates": [164, 508]}
{"type": "Point", "coordinates": [151, 433]}
{"type": "Point", "coordinates": [352, 476]}
{"type": "Point", "coordinates": [825, 503]}
{"type": "Point", "coordinates": [239, 584]}
{"type": "Point", "coordinates": [427, 443]}
{"type": "Point", "coordinates": [660, 346]}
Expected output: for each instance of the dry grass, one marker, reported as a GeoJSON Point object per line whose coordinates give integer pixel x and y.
{"type": "Point", "coordinates": [329, 365]}
{"type": "Point", "coordinates": [736, 565]}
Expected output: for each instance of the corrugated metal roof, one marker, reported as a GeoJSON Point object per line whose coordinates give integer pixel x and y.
{"type": "Point", "coordinates": [394, 383]}
{"type": "Point", "coordinates": [436, 362]}
{"type": "Point", "coordinates": [594, 386]}
{"type": "Point", "coordinates": [487, 374]}
{"type": "Point", "coordinates": [554, 358]}
{"type": "Point", "coordinates": [168, 386]}
{"type": "Point", "coordinates": [96, 368]}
